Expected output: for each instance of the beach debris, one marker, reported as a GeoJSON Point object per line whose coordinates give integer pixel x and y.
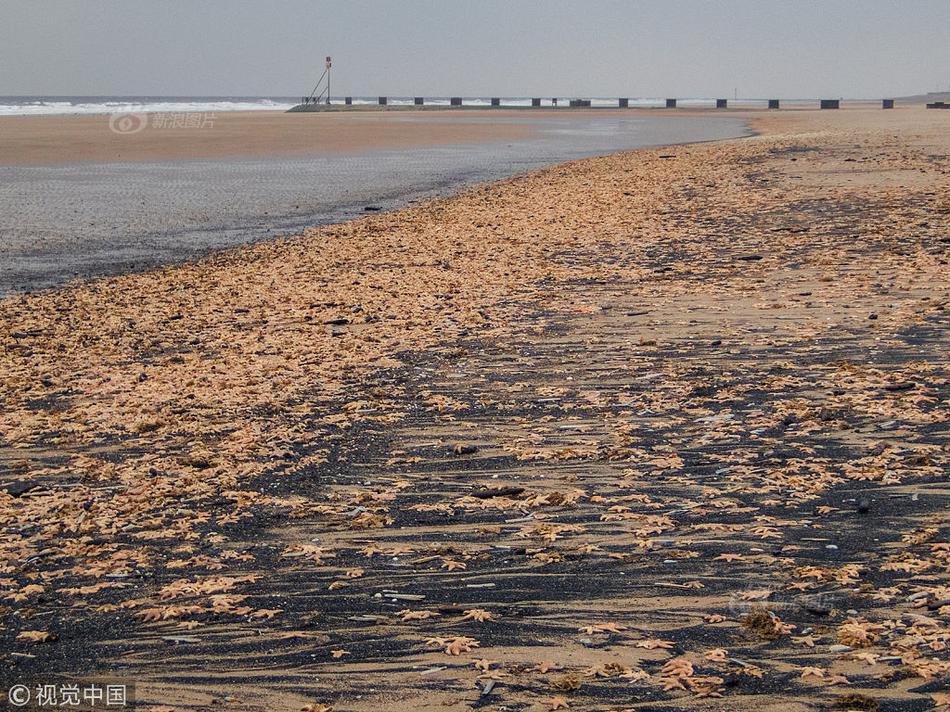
{"type": "Point", "coordinates": [688, 403]}
{"type": "Point", "coordinates": [489, 492]}
{"type": "Point", "coordinates": [36, 636]}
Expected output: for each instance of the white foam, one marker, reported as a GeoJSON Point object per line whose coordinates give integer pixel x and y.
{"type": "Point", "coordinates": [38, 108]}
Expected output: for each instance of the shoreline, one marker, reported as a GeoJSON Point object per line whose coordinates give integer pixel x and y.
{"type": "Point", "coordinates": [599, 430]}
{"type": "Point", "coordinates": [58, 140]}
{"type": "Point", "coordinates": [140, 214]}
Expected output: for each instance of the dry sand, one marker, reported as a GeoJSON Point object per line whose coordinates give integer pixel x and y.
{"type": "Point", "coordinates": [664, 429]}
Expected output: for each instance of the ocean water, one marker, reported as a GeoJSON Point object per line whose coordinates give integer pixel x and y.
{"type": "Point", "coordinates": [48, 105]}
{"type": "Point", "coordinates": [51, 105]}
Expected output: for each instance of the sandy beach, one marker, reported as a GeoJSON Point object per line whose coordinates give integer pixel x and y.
{"type": "Point", "coordinates": [79, 200]}
{"type": "Point", "coordinates": [662, 429]}
{"type": "Point", "coordinates": [57, 140]}
{"type": "Point", "coordinates": [52, 140]}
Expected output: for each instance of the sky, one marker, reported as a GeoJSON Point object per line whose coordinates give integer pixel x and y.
{"type": "Point", "coordinates": [702, 48]}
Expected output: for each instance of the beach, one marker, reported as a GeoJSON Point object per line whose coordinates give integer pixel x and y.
{"type": "Point", "coordinates": [82, 200]}
{"type": "Point", "coordinates": [54, 140]}
{"type": "Point", "coordinates": [660, 429]}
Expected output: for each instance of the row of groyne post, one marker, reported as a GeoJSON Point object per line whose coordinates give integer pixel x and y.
{"type": "Point", "coordinates": [576, 103]}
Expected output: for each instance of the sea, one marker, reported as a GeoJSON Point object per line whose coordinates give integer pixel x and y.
{"type": "Point", "coordinates": [65, 105]}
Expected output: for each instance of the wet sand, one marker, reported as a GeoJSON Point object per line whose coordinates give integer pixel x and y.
{"type": "Point", "coordinates": [59, 140]}
{"type": "Point", "coordinates": [665, 429]}
{"type": "Point", "coordinates": [114, 203]}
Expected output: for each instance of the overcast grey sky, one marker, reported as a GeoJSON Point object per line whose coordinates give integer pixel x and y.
{"type": "Point", "coordinates": [763, 48]}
